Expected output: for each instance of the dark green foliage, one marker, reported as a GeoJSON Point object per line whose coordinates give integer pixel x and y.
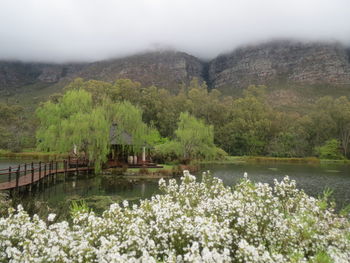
{"type": "Point", "coordinates": [248, 128]}
{"type": "Point", "coordinates": [329, 118]}
{"type": "Point", "coordinates": [5, 203]}
{"type": "Point", "coordinates": [248, 125]}
{"type": "Point", "coordinates": [16, 130]}
{"type": "Point", "coordinates": [284, 145]}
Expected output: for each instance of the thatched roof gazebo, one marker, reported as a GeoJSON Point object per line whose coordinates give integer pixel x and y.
{"type": "Point", "coordinates": [125, 152]}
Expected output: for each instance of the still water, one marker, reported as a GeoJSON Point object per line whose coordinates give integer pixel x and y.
{"type": "Point", "coordinates": [313, 179]}
{"type": "Point", "coordinates": [6, 163]}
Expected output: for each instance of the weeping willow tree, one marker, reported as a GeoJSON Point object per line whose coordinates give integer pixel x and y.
{"type": "Point", "coordinates": [90, 133]}
{"type": "Point", "coordinates": [75, 120]}
{"type": "Point", "coordinates": [54, 116]}
{"type": "Point", "coordinates": [195, 138]}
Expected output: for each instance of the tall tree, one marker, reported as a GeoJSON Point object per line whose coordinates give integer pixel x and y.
{"type": "Point", "coordinates": [248, 129]}
{"type": "Point", "coordinates": [341, 114]}
{"type": "Point", "coordinates": [195, 138]}
{"type": "Point", "coordinates": [330, 118]}
{"type": "Point", "coordinates": [15, 128]}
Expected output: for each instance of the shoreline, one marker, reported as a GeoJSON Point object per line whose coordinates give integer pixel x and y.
{"type": "Point", "coordinates": [227, 160]}
{"type": "Point", "coordinates": [268, 159]}
{"type": "Point", "coordinates": [31, 155]}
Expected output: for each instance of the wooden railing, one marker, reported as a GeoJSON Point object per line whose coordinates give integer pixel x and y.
{"type": "Point", "coordinates": [29, 173]}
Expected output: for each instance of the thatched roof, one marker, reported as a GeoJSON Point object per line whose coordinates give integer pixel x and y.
{"type": "Point", "coordinates": [126, 138]}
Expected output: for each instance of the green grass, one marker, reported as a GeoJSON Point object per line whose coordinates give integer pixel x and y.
{"type": "Point", "coordinates": [165, 167]}
{"type": "Point", "coordinates": [282, 159]}
{"type": "Point", "coordinates": [227, 160]}
{"type": "Point", "coordinates": [240, 159]}
{"type": "Point", "coordinates": [327, 161]}
{"type": "Point", "coordinates": [29, 153]}
{"type": "Point", "coordinates": [4, 152]}
{"type": "Point", "coordinates": [245, 159]}
{"type": "Point", "coordinates": [149, 173]}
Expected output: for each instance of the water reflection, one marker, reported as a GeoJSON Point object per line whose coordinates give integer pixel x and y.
{"type": "Point", "coordinates": [312, 178]}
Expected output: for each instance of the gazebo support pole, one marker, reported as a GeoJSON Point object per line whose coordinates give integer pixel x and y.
{"type": "Point", "coordinates": [143, 154]}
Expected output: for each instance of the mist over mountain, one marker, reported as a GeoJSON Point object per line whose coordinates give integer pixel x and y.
{"type": "Point", "coordinates": [228, 44]}
{"type": "Point", "coordinates": [278, 64]}
{"type": "Point", "coordinates": [86, 30]}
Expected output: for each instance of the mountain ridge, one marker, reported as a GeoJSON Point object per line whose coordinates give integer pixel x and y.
{"type": "Point", "coordinates": [292, 63]}
{"type": "Point", "coordinates": [282, 61]}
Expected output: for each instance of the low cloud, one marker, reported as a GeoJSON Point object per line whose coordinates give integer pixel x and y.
{"type": "Point", "coordinates": [88, 30]}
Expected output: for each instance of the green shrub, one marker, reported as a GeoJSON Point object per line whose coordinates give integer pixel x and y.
{"type": "Point", "coordinates": [144, 171]}
{"type": "Point", "coordinates": [330, 150]}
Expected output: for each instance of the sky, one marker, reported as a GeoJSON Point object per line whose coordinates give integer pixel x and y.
{"type": "Point", "coordinates": [90, 30]}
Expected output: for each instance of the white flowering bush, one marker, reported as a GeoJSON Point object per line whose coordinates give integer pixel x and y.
{"type": "Point", "coordinates": [191, 222]}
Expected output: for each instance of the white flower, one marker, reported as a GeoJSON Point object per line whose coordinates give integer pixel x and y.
{"type": "Point", "coordinates": [51, 217]}
{"type": "Point", "coordinates": [204, 220]}
{"type": "Point", "coordinates": [125, 203]}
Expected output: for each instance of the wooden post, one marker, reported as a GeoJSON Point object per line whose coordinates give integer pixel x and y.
{"type": "Point", "coordinates": [52, 170]}
{"type": "Point", "coordinates": [32, 166]}
{"type": "Point", "coordinates": [87, 165]}
{"type": "Point", "coordinates": [32, 181]}
{"type": "Point", "coordinates": [45, 171]}
{"type": "Point", "coordinates": [49, 175]}
{"type": "Point", "coordinates": [65, 165]}
{"type": "Point", "coordinates": [10, 171]}
{"type": "Point", "coordinates": [25, 168]}
{"type": "Point", "coordinates": [76, 167]}
{"type": "Point", "coordinates": [17, 176]}
{"type": "Point", "coordinates": [39, 171]}
{"type": "Point", "coordinates": [56, 169]}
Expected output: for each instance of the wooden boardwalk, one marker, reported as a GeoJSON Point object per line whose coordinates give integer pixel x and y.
{"type": "Point", "coordinates": [30, 174]}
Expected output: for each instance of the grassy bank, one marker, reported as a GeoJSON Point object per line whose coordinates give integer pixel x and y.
{"type": "Point", "coordinates": [282, 159]}
{"type": "Point", "coordinates": [165, 167]}
{"type": "Point", "coordinates": [167, 170]}
{"type": "Point", "coordinates": [268, 159]}
{"type": "Point", "coordinates": [135, 172]}
{"type": "Point", "coordinates": [31, 154]}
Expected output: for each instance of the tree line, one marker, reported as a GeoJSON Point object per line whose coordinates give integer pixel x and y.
{"type": "Point", "coordinates": [247, 125]}
{"type": "Point", "coordinates": [17, 129]}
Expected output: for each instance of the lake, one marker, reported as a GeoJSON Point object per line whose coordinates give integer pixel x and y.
{"type": "Point", "coordinates": [314, 179]}
{"type": "Point", "coordinates": [13, 162]}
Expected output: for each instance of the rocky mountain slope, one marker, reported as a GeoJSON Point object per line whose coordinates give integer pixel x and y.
{"type": "Point", "coordinates": [279, 63]}
{"type": "Point", "coordinates": [286, 62]}
{"type": "Point", "coordinates": [16, 75]}
{"type": "Point", "coordinates": [166, 69]}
